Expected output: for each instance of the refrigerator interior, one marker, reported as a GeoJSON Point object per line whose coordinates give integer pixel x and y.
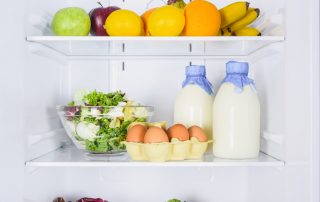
{"type": "Point", "coordinates": [151, 72]}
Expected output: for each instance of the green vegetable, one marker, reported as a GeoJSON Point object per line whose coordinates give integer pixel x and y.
{"type": "Point", "coordinates": [101, 99]}
{"type": "Point", "coordinates": [111, 132]}
{"type": "Point", "coordinates": [115, 123]}
{"type": "Point", "coordinates": [71, 103]}
{"type": "Point", "coordinates": [174, 200]}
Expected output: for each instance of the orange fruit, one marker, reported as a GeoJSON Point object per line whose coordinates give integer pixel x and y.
{"type": "Point", "coordinates": [202, 19]}
{"type": "Point", "coordinates": [145, 16]}
{"type": "Point", "coordinates": [124, 23]}
{"type": "Point", "coordinates": [166, 21]}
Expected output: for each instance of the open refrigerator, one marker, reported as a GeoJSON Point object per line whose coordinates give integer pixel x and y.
{"type": "Point", "coordinates": [40, 71]}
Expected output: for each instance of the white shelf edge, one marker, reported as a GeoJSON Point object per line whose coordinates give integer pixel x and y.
{"type": "Point", "coordinates": [152, 164]}
{"type": "Point", "coordinates": [52, 159]}
{"type": "Point", "coordinates": [141, 38]}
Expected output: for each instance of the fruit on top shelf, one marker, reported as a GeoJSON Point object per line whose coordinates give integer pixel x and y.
{"type": "Point", "coordinates": [72, 21]}
{"type": "Point", "coordinates": [237, 16]}
{"type": "Point", "coordinates": [225, 32]}
{"type": "Point", "coordinates": [247, 31]}
{"type": "Point", "coordinates": [202, 19]}
{"type": "Point", "coordinates": [233, 12]}
{"type": "Point", "coordinates": [249, 18]}
{"type": "Point", "coordinates": [177, 3]}
{"type": "Point", "coordinates": [178, 131]}
{"type": "Point", "coordinates": [124, 23]}
{"type": "Point", "coordinates": [98, 18]}
{"type": "Point", "coordinates": [145, 16]}
{"type": "Point", "coordinates": [166, 21]}
{"type": "Point", "coordinates": [197, 18]}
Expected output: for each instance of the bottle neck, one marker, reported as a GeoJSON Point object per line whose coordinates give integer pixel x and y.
{"type": "Point", "coordinates": [196, 76]}
{"type": "Point", "coordinates": [237, 74]}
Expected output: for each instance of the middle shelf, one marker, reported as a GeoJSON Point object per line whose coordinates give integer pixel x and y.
{"type": "Point", "coordinates": [155, 46]}
{"type": "Point", "coordinates": [70, 156]}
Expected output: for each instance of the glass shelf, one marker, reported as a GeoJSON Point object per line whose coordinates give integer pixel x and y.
{"type": "Point", "coordinates": [155, 46]}
{"type": "Point", "coordinates": [70, 156]}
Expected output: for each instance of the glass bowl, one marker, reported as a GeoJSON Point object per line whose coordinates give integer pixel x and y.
{"type": "Point", "coordinates": [101, 130]}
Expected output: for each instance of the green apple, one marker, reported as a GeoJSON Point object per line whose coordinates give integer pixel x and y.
{"type": "Point", "coordinates": [71, 21]}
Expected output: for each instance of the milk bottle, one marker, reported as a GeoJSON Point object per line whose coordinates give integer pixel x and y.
{"type": "Point", "coordinates": [193, 105]}
{"type": "Point", "coordinates": [236, 115]}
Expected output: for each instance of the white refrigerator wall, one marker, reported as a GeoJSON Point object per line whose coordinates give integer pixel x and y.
{"type": "Point", "coordinates": [12, 41]}
{"type": "Point", "coordinates": [41, 79]}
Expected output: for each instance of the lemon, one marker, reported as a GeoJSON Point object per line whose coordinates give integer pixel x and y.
{"type": "Point", "coordinates": [124, 23]}
{"type": "Point", "coordinates": [166, 21]}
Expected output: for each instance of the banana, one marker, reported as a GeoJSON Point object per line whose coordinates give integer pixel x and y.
{"type": "Point", "coordinates": [245, 21]}
{"type": "Point", "coordinates": [250, 9]}
{"type": "Point", "coordinates": [233, 12]}
{"type": "Point", "coordinates": [247, 31]}
{"type": "Point", "coordinates": [225, 32]}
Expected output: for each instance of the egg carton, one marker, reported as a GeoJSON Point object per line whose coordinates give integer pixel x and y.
{"type": "Point", "coordinates": [167, 151]}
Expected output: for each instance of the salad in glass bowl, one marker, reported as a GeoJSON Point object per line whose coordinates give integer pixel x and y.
{"type": "Point", "coordinates": [97, 122]}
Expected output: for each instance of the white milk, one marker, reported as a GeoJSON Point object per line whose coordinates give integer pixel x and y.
{"type": "Point", "coordinates": [236, 123]}
{"type": "Point", "coordinates": [193, 106]}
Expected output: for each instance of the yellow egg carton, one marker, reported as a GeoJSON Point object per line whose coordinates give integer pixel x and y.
{"type": "Point", "coordinates": [168, 151]}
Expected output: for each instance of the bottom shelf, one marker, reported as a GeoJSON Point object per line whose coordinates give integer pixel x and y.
{"type": "Point", "coordinates": [70, 156]}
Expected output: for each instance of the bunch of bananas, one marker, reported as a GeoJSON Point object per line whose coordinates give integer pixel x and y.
{"type": "Point", "coordinates": [235, 19]}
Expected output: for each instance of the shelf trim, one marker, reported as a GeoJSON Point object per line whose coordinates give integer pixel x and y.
{"type": "Point", "coordinates": [39, 162]}
{"type": "Point", "coordinates": [155, 38]}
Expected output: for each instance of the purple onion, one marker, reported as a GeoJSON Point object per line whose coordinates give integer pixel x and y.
{"type": "Point", "coordinates": [71, 112]}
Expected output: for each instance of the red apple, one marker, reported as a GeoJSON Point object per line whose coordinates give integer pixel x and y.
{"type": "Point", "coordinates": [98, 17]}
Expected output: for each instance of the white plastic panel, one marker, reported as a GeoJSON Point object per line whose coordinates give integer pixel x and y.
{"type": "Point", "coordinates": [44, 86]}
{"type": "Point", "coordinates": [268, 70]}
{"type": "Point", "coordinates": [43, 185]}
{"type": "Point", "coordinates": [11, 90]}
{"type": "Point", "coordinates": [87, 74]}
{"type": "Point", "coordinates": [266, 184]}
{"type": "Point", "coordinates": [158, 184]}
{"type": "Point", "coordinates": [42, 90]}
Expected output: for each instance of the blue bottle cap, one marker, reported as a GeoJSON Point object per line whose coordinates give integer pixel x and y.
{"type": "Point", "coordinates": [196, 75]}
{"type": "Point", "coordinates": [196, 70]}
{"type": "Point", "coordinates": [234, 67]}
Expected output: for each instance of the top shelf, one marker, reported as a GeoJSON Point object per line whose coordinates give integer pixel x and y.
{"type": "Point", "coordinates": [155, 46]}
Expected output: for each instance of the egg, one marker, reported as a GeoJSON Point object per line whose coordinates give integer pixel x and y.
{"type": "Point", "coordinates": [197, 132]}
{"type": "Point", "coordinates": [136, 133]}
{"type": "Point", "coordinates": [155, 135]}
{"type": "Point", "coordinates": [178, 131]}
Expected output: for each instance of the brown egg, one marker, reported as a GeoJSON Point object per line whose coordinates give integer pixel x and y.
{"type": "Point", "coordinates": [136, 133]}
{"type": "Point", "coordinates": [178, 131]}
{"type": "Point", "coordinates": [155, 135]}
{"type": "Point", "coordinates": [197, 132]}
